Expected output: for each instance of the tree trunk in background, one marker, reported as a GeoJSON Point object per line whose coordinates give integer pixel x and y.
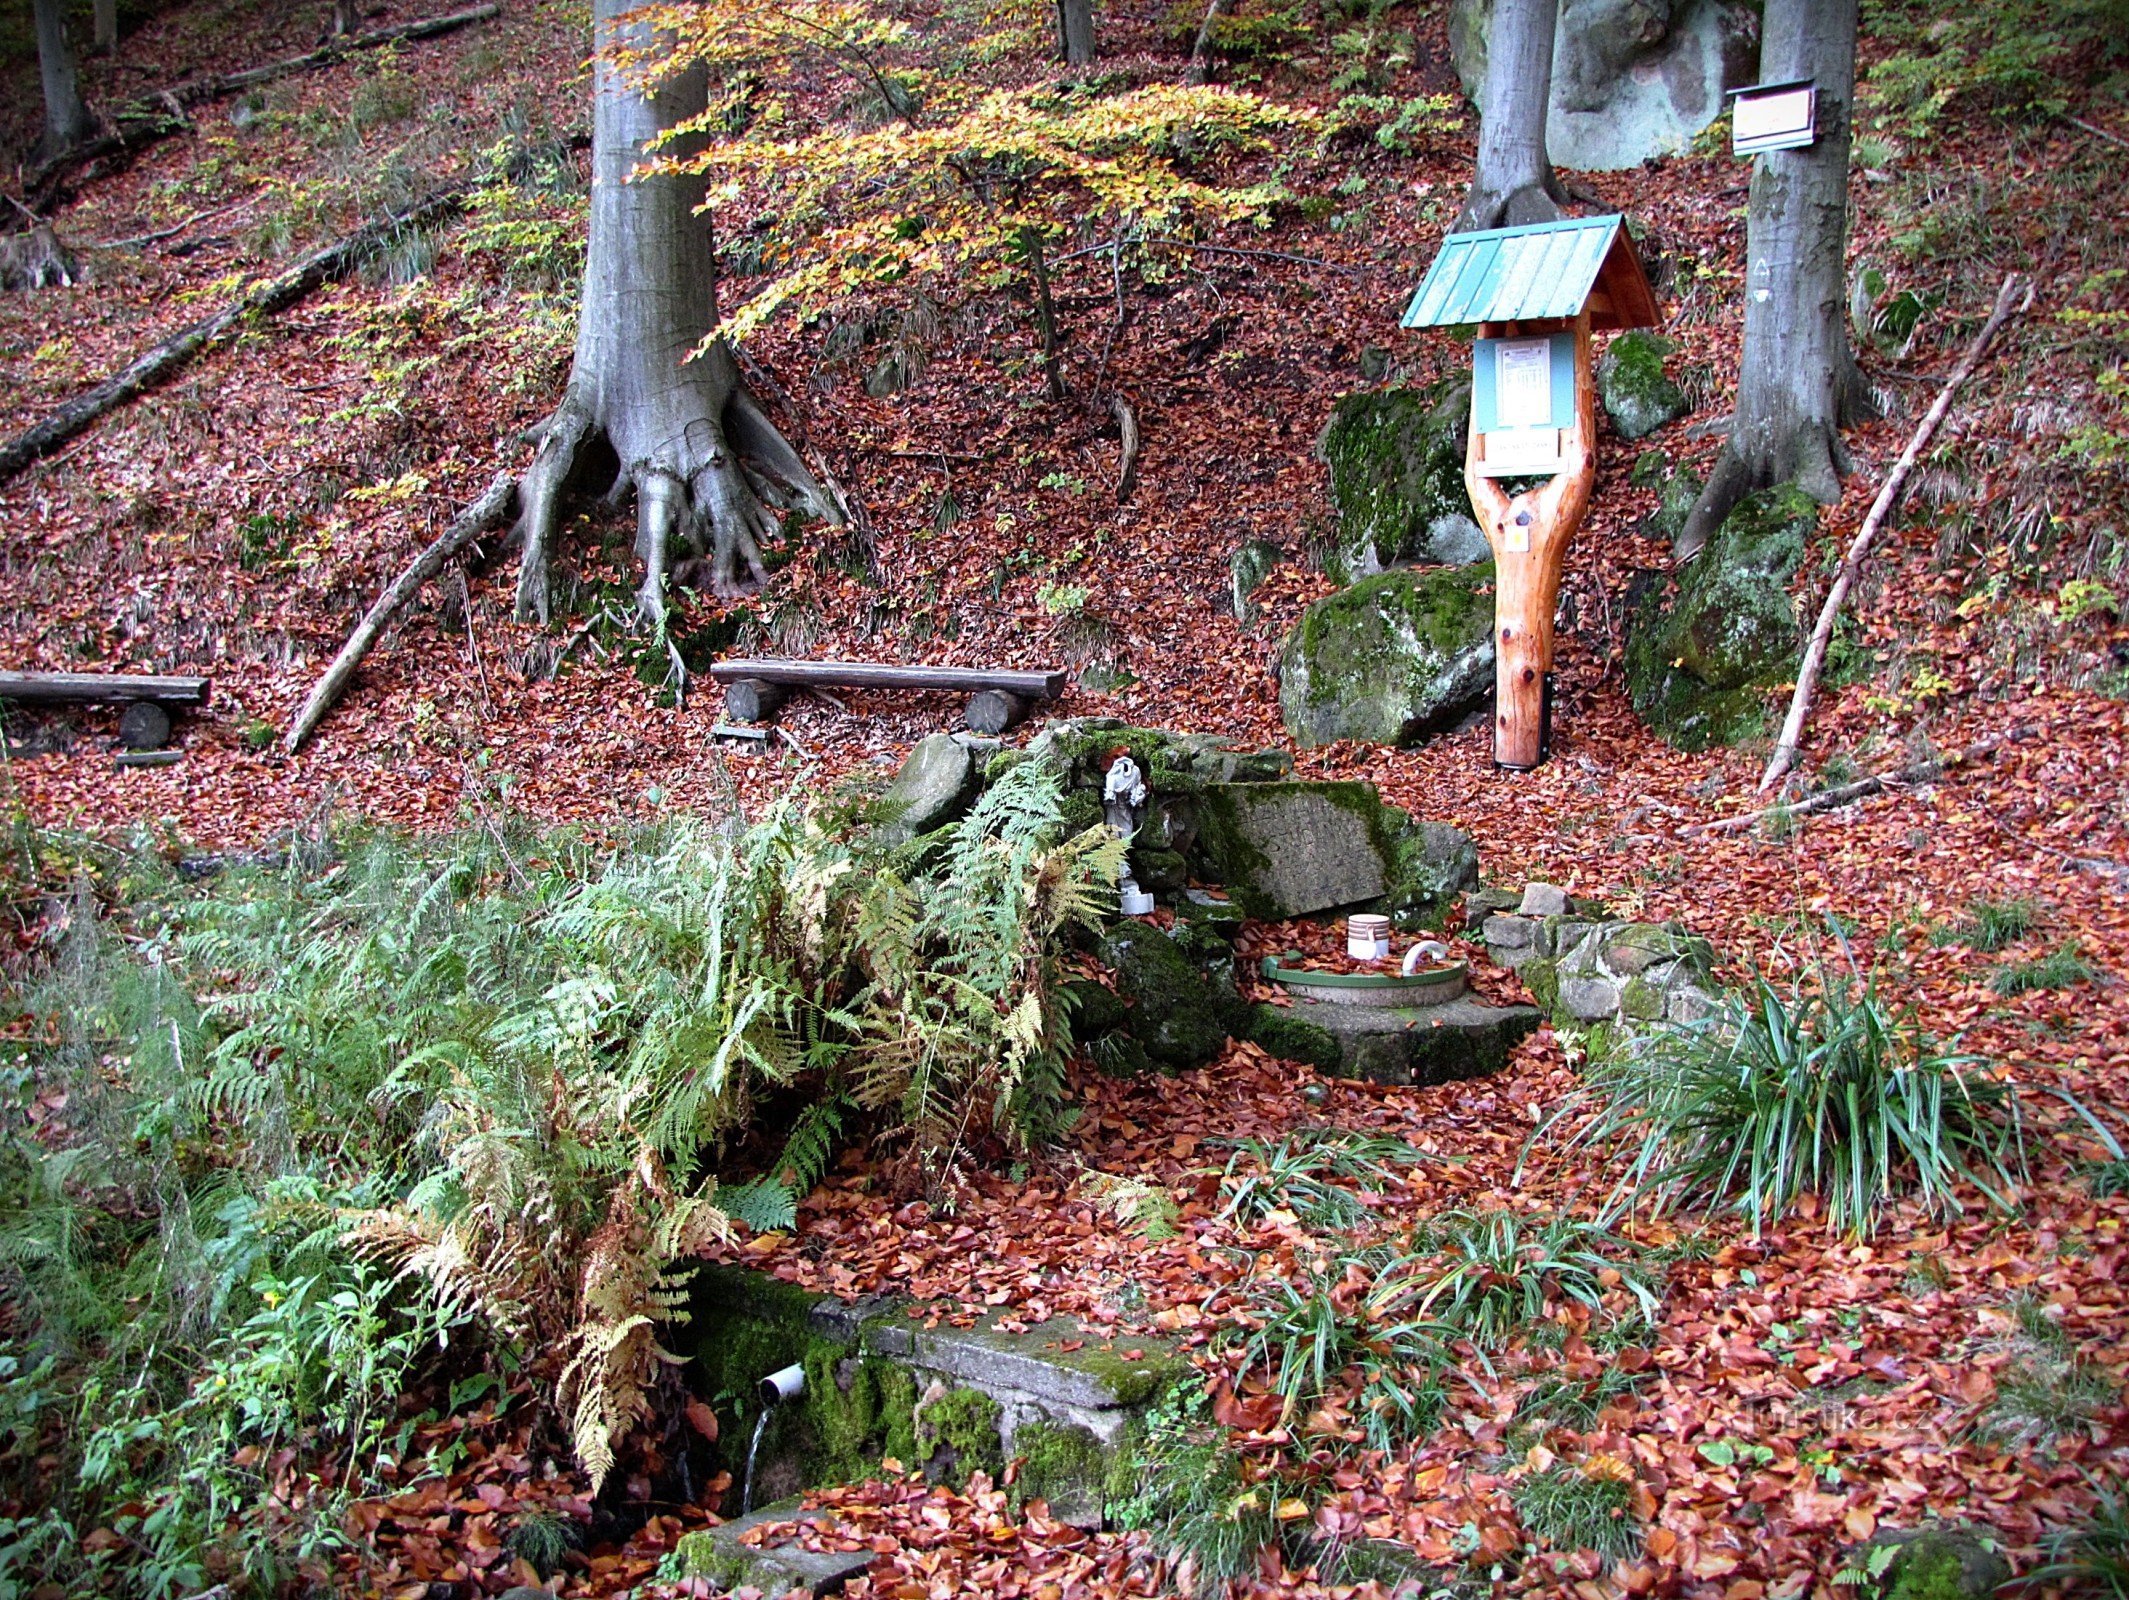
{"type": "Point", "coordinates": [66, 117]}
{"type": "Point", "coordinates": [1075, 31]}
{"type": "Point", "coordinates": [106, 14]}
{"type": "Point", "coordinates": [677, 426]}
{"type": "Point", "coordinates": [1797, 380]}
{"type": "Point", "coordinates": [1515, 183]}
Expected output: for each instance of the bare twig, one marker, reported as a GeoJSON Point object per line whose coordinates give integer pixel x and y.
{"type": "Point", "coordinates": [2096, 131]}
{"type": "Point", "coordinates": [1258, 255]}
{"type": "Point", "coordinates": [1847, 793]}
{"type": "Point", "coordinates": [2008, 304]}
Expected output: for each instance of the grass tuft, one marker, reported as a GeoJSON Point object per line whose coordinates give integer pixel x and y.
{"type": "Point", "coordinates": [1570, 1508]}
{"type": "Point", "coordinates": [1992, 925]}
{"type": "Point", "coordinates": [2090, 1557]}
{"type": "Point", "coordinates": [1825, 1092]}
{"type": "Point", "coordinates": [2061, 968]}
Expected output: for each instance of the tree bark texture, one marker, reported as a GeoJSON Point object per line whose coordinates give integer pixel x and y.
{"type": "Point", "coordinates": [106, 15]}
{"type": "Point", "coordinates": [1797, 380]}
{"type": "Point", "coordinates": [66, 115]}
{"type": "Point", "coordinates": [679, 424]}
{"type": "Point", "coordinates": [1514, 183]}
{"type": "Point", "coordinates": [1075, 31]}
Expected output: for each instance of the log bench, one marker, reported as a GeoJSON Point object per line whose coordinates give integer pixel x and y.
{"type": "Point", "coordinates": [148, 700]}
{"type": "Point", "coordinates": [756, 688]}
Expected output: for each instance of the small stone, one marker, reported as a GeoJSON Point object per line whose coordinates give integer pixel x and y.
{"type": "Point", "coordinates": [1543, 900]}
{"type": "Point", "coordinates": [1938, 1561]}
{"type": "Point", "coordinates": [144, 726]}
{"type": "Point", "coordinates": [1638, 395]}
{"type": "Point", "coordinates": [1589, 999]}
{"type": "Point", "coordinates": [1247, 568]}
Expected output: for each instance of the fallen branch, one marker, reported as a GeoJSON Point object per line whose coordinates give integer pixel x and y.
{"type": "Point", "coordinates": [491, 509]}
{"type": "Point", "coordinates": [2007, 305]}
{"type": "Point", "coordinates": [1256, 255]}
{"type": "Point", "coordinates": [275, 294]}
{"type": "Point", "coordinates": [1127, 430]}
{"type": "Point", "coordinates": [1848, 793]}
{"type": "Point", "coordinates": [159, 115]}
{"type": "Point", "coordinates": [2096, 131]}
{"type": "Point", "coordinates": [1201, 50]}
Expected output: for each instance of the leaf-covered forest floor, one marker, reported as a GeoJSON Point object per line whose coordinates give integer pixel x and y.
{"type": "Point", "coordinates": [1807, 1390]}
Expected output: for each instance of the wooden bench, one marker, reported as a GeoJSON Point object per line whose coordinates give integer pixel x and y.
{"type": "Point", "coordinates": [755, 689]}
{"type": "Point", "coordinates": [99, 689]}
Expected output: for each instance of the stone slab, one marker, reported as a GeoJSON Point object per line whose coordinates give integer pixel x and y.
{"type": "Point", "coordinates": [722, 1555]}
{"type": "Point", "coordinates": [1289, 849]}
{"type": "Point", "coordinates": [1432, 1044]}
{"type": "Point", "coordinates": [1034, 1365]}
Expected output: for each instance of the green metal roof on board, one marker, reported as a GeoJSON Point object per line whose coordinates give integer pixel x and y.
{"type": "Point", "coordinates": [1535, 272]}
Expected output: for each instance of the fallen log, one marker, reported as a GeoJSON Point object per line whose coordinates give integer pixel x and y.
{"type": "Point", "coordinates": [489, 511]}
{"type": "Point", "coordinates": [275, 294]}
{"type": "Point", "coordinates": [157, 116]}
{"type": "Point", "coordinates": [1807, 677]}
{"type": "Point", "coordinates": [100, 689]}
{"type": "Point", "coordinates": [888, 675]}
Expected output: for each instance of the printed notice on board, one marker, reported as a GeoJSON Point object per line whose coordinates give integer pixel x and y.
{"type": "Point", "coordinates": [1522, 383]}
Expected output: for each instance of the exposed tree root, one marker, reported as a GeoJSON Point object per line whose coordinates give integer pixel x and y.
{"type": "Point", "coordinates": [708, 470]}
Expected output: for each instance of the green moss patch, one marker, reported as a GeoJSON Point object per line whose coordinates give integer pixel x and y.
{"type": "Point", "coordinates": [1391, 659]}
{"type": "Point", "coordinates": [1396, 459]}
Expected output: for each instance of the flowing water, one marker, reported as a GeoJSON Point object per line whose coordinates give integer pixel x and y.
{"type": "Point", "coordinates": [746, 1493]}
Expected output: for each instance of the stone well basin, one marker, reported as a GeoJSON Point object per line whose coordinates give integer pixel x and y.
{"type": "Point", "coordinates": [1387, 990]}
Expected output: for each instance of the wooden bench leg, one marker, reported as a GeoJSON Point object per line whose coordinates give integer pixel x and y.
{"type": "Point", "coordinates": [995, 711]}
{"type": "Point", "coordinates": [753, 700]}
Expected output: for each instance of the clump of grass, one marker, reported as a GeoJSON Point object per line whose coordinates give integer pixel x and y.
{"type": "Point", "coordinates": [1311, 1173]}
{"type": "Point", "coordinates": [1565, 1402]}
{"type": "Point", "coordinates": [1577, 1508]}
{"type": "Point", "coordinates": [2043, 1394]}
{"type": "Point", "coordinates": [1210, 1511]}
{"type": "Point", "coordinates": [2061, 968]}
{"type": "Point", "coordinates": [1823, 1091]}
{"type": "Point", "coordinates": [2092, 1556]}
{"type": "Point", "coordinates": [1992, 925]}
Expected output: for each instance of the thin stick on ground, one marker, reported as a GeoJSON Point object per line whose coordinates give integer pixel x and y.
{"type": "Point", "coordinates": [2007, 305]}
{"type": "Point", "coordinates": [491, 510]}
{"type": "Point", "coordinates": [157, 116]}
{"type": "Point", "coordinates": [1128, 443]}
{"type": "Point", "coordinates": [1862, 788]}
{"type": "Point", "coordinates": [277, 293]}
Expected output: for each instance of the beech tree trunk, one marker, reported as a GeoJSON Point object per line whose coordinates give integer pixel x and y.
{"type": "Point", "coordinates": [677, 426]}
{"type": "Point", "coordinates": [1515, 183]}
{"type": "Point", "coordinates": [1075, 31]}
{"type": "Point", "coordinates": [66, 115]}
{"type": "Point", "coordinates": [106, 15]}
{"type": "Point", "coordinates": [1797, 380]}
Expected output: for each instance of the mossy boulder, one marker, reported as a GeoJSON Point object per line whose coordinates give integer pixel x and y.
{"type": "Point", "coordinates": [1081, 749]}
{"type": "Point", "coordinates": [1175, 1015]}
{"type": "Point", "coordinates": [1939, 1561]}
{"type": "Point", "coordinates": [1700, 661]}
{"type": "Point", "coordinates": [1391, 659]}
{"type": "Point", "coordinates": [935, 786]}
{"type": "Point", "coordinates": [1396, 459]}
{"type": "Point", "coordinates": [1638, 394]}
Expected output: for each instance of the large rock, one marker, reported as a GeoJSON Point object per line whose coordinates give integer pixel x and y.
{"type": "Point", "coordinates": [1631, 79]}
{"type": "Point", "coordinates": [1396, 458]}
{"type": "Point", "coordinates": [1391, 659]}
{"type": "Point", "coordinates": [1700, 662]}
{"type": "Point", "coordinates": [1938, 1561]}
{"type": "Point", "coordinates": [1292, 849]}
{"type": "Point", "coordinates": [936, 784]}
{"type": "Point", "coordinates": [1464, 1038]}
{"type": "Point", "coordinates": [1638, 394]}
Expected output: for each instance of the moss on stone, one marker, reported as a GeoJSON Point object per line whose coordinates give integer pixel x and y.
{"type": "Point", "coordinates": [700, 1555]}
{"type": "Point", "coordinates": [1698, 664]}
{"type": "Point", "coordinates": [1638, 394]}
{"type": "Point", "coordinates": [1940, 1562]}
{"type": "Point", "coordinates": [1094, 1008]}
{"type": "Point", "coordinates": [1641, 1000]}
{"type": "Point", "coordinates": [956, 1433]}
{"type": "Point", "coordinates": [1293, 1038]}
{"type": "Point", "coordinates": [1541, 976]}
{"type": "Point", "coordinates": [1247, 569]}
{"type": "Point", "coordinates": [1391, 659]}
{"type": "Point", "coordinates": [1396, 459]}
{"type": "Point", "coordinates": [1173, 1010]}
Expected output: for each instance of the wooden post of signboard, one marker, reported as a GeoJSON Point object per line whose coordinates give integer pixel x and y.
{"type": "Point", "coordinates": [1530, 533]}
